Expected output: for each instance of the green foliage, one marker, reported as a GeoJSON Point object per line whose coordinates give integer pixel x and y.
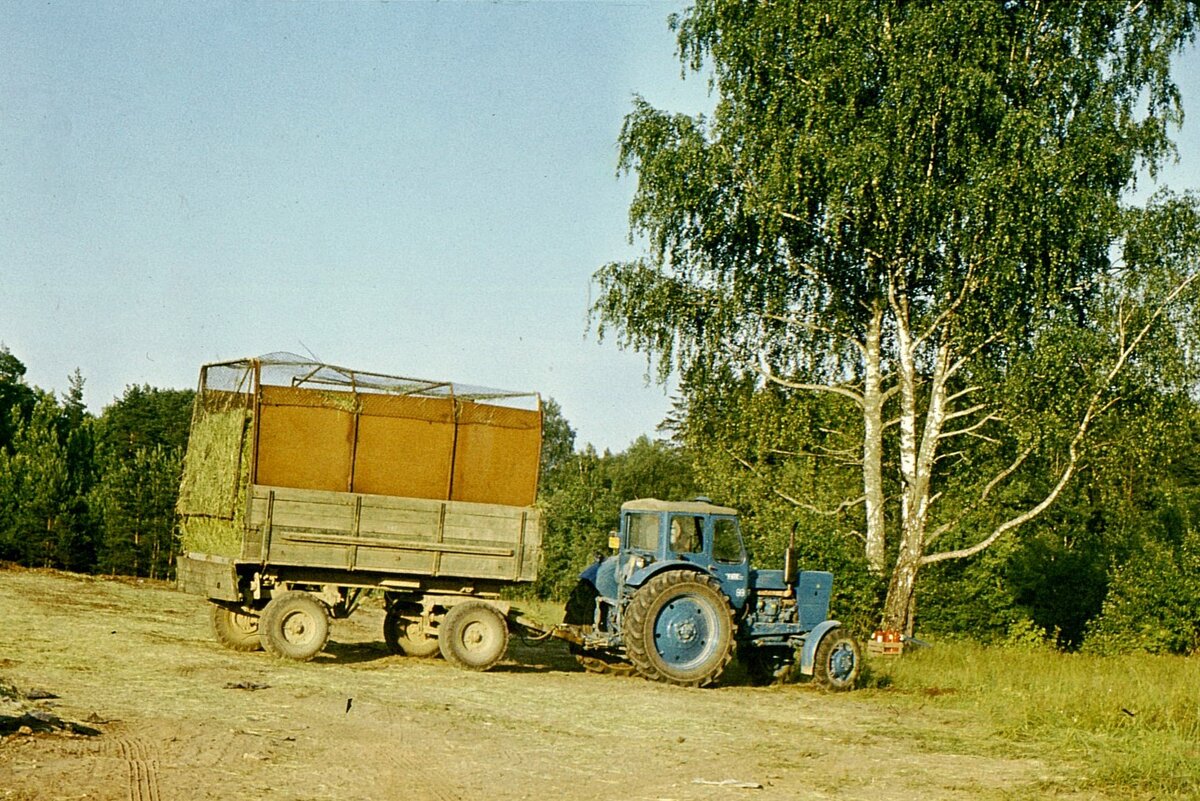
{"type": "Point", "coordinates": [581, 498]}
{"type": "Point", "coordinates": [35, 521]}
{"type": "Point", "coordinates": [1152, 602]}
{"type": "Point", "coordinates": [16, 397]}
{"type": "Point", "coordinates": [85, 494]}
{"type": "Point", "coordinates": [145, 417]}
{"type": "Point", "coordinates": [558, 439]}
{"type": "Point", "coordinates": [1138, 489]}
{"type": "Point", "coordinates": [136, 504]}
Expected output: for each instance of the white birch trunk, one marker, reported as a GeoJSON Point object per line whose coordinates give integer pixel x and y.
{"type": "Point", "coordinates": [876, 548]}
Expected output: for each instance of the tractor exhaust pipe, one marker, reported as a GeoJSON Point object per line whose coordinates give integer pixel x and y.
{"type": "Point", "coordinates": [789, 558]}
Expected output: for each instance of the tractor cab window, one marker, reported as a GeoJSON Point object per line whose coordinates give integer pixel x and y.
{"type": "Point", "coordinates": [727, 544]}
{"type": "Point", "coordinates": [643, 532]}
{"type": "Point", "coordinates": [687, 534]}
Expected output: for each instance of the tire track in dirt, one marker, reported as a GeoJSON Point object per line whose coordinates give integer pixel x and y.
{"type": "Point", "coordinates": [141, 765]}
{"type": "Point", "coordinates": [401, 759]}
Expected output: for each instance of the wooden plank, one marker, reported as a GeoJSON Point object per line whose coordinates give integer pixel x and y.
{"type": "Point", "coordinates": [351, 531]}
{"type": "Point", "coordinates": [326, 537]}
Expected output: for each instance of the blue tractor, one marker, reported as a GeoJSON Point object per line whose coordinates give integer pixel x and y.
{"type": "Point", "coordinates": [679, 598]}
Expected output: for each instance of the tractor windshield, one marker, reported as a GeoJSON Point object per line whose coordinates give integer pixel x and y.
{"type": "Point", "coordinates": [643, 532]}
{"type": "Point", "coordinates": [727, 541]}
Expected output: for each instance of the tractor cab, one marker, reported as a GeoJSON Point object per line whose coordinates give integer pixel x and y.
{"type": "Point", "coordinates": [697, 535]}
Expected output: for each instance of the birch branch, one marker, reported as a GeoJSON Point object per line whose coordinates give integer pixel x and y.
{"type": "Point", "coordinates": [767, 373]}
{"type": "Point", "coordinates": [1097, 405]}
{"type": "Point", "coordinates": [841, 507]}
{"type": "Point", "coordinates": [983, 496]}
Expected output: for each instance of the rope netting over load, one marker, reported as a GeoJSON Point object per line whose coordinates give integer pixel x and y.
{"type": "Point", "coordinates": [283, 420]}
{"type": "Point", "coordinates": [283, 369]}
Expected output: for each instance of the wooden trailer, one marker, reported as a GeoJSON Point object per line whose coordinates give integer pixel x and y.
{"type": "Point", "coordinates": [306, 485]}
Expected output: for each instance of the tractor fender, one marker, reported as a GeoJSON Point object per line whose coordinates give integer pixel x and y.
{"type": "Point", "coordinates": [651, 570]}
{"type": "Point", "coordinates": [808, 652]}
{"type": "Point", "coordinates": [589, 572]}
{"type": "Point", "coordinates": [602, 574]}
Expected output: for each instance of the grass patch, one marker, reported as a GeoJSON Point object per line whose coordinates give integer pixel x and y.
{"type": "Point", "coordinates": [1131, 724]}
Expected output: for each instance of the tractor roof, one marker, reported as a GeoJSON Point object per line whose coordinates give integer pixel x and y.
{"type": "Point", "coordinates": [696, 507]}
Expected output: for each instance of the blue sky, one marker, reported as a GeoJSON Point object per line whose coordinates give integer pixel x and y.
{"type": "Point", "coordinates": [419, 188]}
{"type": "Point", "coordinates": [416, 188]}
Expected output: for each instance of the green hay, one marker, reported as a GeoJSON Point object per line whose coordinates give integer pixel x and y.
{"type": "Point", "coordinates": [216, 472]}
{"type": "Point", "coordinates": [216, 464]}
{"type": "Point", "coordinates": [329, 399]}
{"type": "Point", "coordinates": [209, 536]}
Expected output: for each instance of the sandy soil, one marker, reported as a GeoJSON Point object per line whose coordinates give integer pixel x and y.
{"type": "Point", "coordinates": [177, 721]}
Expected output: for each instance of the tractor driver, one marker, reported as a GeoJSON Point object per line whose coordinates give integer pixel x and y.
{"type": "Point", "coordinates": [686, 534]}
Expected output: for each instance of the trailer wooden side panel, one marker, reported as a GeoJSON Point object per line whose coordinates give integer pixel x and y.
{"type": "Point", "coordinates": [384, 534]}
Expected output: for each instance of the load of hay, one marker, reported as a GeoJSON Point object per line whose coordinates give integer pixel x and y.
{"type": "Point", "coordinates": [216, 471]}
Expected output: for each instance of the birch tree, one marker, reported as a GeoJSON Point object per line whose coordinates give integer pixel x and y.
{"type": "Point", "coordinates": [896, 204]}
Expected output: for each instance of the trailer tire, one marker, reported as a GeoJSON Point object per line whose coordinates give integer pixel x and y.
{"type": "Point", "coordinates": [404, 634]}
{"type": "Point", "coordinates": [295, 625]}
{"type": "Point", "coordinates": [473, 635]}
{"type": "Point", "coordinates": [679, 629]}
{"type": "Point", "coordinates": [235, 627]}
{"type": "Point", "coordinates": [838, 661]}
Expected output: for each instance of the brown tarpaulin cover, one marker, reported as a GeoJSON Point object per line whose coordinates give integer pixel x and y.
{"type": "Point", "coordinates": [417, 447]}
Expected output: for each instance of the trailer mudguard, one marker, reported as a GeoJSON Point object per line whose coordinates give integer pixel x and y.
{"type": "Point", "coordinates": [808, 653]}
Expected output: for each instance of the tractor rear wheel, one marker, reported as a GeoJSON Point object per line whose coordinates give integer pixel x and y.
{"type": "Point", "coordinates": [473, 635]}
{"type": "Point", "coordinates": [405, 634]}
{"type": "Point", "coordinates": [679, 629]}
{"type": "Point", "coordinates": [235, 628]}
{"type": "Point", "coordinates": [581, 611]}
{"type": "Point", "coordinates": [295, 625]}
{"type": "Point", "coordinates": [838, 661]}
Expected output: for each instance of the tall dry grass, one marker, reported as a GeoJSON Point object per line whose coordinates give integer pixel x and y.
{"type": "Point", "coordinates": [1131, 724]}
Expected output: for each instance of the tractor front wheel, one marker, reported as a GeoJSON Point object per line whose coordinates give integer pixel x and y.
{"type": "Point", "coordinates": [838, 661]}
{"type": "Point", "coordinates": [581, 611]}
{"type": "Point", "coordinates": [679, 629]}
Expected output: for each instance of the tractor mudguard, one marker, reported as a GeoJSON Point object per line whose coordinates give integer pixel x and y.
{"type": "Point", "coordinates": [589, 572]}
{"type": "Point", "coordinates": [651, 570]}
{"type": "Point", "coordinates": [808, 653]}
{"type": "Point", "coordinates": [602, 574]}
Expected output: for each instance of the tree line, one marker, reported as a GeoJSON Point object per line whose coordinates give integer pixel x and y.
{"type": "Point", "coordinates": [1114, 566]}
{"type": "Point", "coordinates": [86, 493]}
{"type": "Point", "coordinates": [911, 235]}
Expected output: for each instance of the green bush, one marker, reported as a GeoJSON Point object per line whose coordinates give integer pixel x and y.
{"type": "Point", "coordinates": [1153, 602]}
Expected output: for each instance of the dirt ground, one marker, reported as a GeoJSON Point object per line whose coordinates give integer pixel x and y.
{"type": "Point", "coordinates": [180, 718]}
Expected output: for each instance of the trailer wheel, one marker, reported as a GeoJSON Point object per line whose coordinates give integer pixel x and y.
{"type": "Point", "coordinates": [473, 635]}
{"type": "Point", "coordinates": [404, 633]}
{"type": "Point", "coordinates": [295, 625]}
{"type": "Point", "coordinates": [838, 661]}
{"type": "Point", "coordinates": [679, 629]}
{"type": "Point", "coordinates": [235, 628]}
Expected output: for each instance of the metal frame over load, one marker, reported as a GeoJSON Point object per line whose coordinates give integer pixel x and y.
{"type": "Point", "coordinates": [295, 462]}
